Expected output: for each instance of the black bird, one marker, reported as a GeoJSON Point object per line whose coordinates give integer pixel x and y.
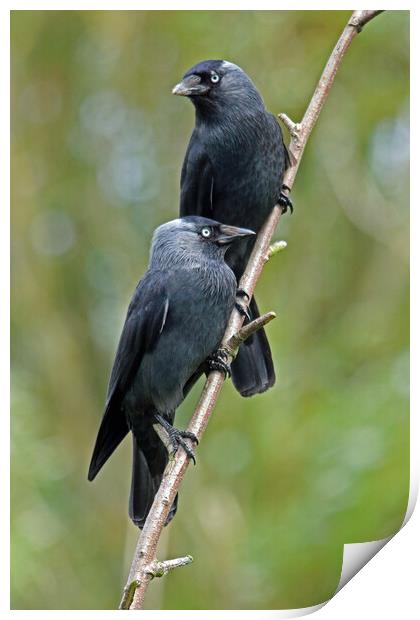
{"type": "Point", "coordinates": [233, 172]}
{"type": "Point", "coordinates": [175, 322]}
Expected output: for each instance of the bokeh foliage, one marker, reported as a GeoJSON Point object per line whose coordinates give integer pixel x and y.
{"type": "Point", "coordinates": [284, 479]}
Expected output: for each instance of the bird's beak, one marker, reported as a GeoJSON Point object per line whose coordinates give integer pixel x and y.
{"type": "Point", "coordinates": [191, 85]}
{"type": "Point", "coordinates": [227, 234]}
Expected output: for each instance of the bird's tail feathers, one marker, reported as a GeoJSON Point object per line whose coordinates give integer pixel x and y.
{"type": "Point", "coordinates": [112, 431]}
{"type": "Point", "coordinates": [147, 472]}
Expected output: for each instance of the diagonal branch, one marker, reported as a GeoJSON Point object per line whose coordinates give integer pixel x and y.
{"type": "Point", "coordinates": [145, 553]}
{"type": "Point", "coordinates": [300, 132]}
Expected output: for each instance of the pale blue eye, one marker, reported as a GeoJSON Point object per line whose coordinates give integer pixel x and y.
{"type": "Point", "coordinates": [215, 78]}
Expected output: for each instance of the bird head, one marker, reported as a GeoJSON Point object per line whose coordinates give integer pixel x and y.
{"type": "Point", "coordinates": [214, 84]}
{"type": "Point", "coordinates": [193, 238]}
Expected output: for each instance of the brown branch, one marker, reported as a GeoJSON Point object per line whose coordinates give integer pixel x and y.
{"type": "Point", "coordinates": [246, 331]}
{"type": "Point", "coordinates": [145, 553]}
{"type": "Point", "coordinates": [155, 569]}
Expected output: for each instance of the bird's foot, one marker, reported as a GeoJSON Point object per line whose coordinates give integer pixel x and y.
{"type": "Point", "coordinates": [243, 310]}
{"type": "Point", "coordinates": [218, 361]}
{"type": "Point", "coordinates": [176, 436]}
{"type": "Point", "coordinates": [285, 202]}
{"type": "Point", "coordinates": [240, 306]}
{"type": "Point", "coordinates": [240, 292]}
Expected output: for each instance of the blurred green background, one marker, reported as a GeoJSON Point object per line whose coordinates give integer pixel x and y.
{"type": "Point", "coordinates": [283, 479]}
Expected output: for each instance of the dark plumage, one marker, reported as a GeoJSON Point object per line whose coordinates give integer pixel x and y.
{"type": "Point", "coordinates": [233, 171]}
{"type": "Point", "coordinates": [175, 321]}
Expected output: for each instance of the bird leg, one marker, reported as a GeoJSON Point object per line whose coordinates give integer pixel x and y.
{"type": "Point", "coordinates": [284, 201]}
{"type": "Point", "coordinates": [177, 436]}
{"type": "Point", "coordinates": [218, 361]}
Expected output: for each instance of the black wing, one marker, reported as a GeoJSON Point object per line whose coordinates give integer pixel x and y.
{"type": "Point", "coordinates": [197, 181]}
{"type": "Point", "coordinates": [144, 323]}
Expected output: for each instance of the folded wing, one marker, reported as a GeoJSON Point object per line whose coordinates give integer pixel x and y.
{"type": "Point", "coordinates": [144, 323]}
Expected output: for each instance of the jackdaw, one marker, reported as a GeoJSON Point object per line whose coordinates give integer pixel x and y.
{"type": "Point", "coordinates": [174, 324]}
{"type": "Point", "coordinates": [233, 171]}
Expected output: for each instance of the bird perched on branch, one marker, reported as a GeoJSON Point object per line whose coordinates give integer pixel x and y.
{"type": "Point", "coordinates": [175, 322]}
{"type": "Point", "coordinates": [233, 172]}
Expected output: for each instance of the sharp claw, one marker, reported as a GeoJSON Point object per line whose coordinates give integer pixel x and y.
{"type": "Point", "coordinates": [177, 436]}
{"type": "Point", "coordinates": [242, 293]}
{"type": "Point", "coordinates": [285, 202]}
{"type": "Point", "coordinates": [187, 449]}
{"type": "Point", "coordinates": [189, 435]}
{"type": "Point", "coordinates": [243, 310]}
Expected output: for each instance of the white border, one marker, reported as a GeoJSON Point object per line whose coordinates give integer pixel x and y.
{"type": "Point", "coordinates": [387, 586]}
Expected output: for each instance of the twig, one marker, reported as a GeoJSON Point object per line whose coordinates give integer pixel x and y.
{"type": "Point", "coordinates": [155, 569]}
{"type": "Point", "coordinates": [275, 248]}
{"type": "Point", "coordinates": [145, 553]}
{"type": "Point", "coordinates": [246, 331]}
